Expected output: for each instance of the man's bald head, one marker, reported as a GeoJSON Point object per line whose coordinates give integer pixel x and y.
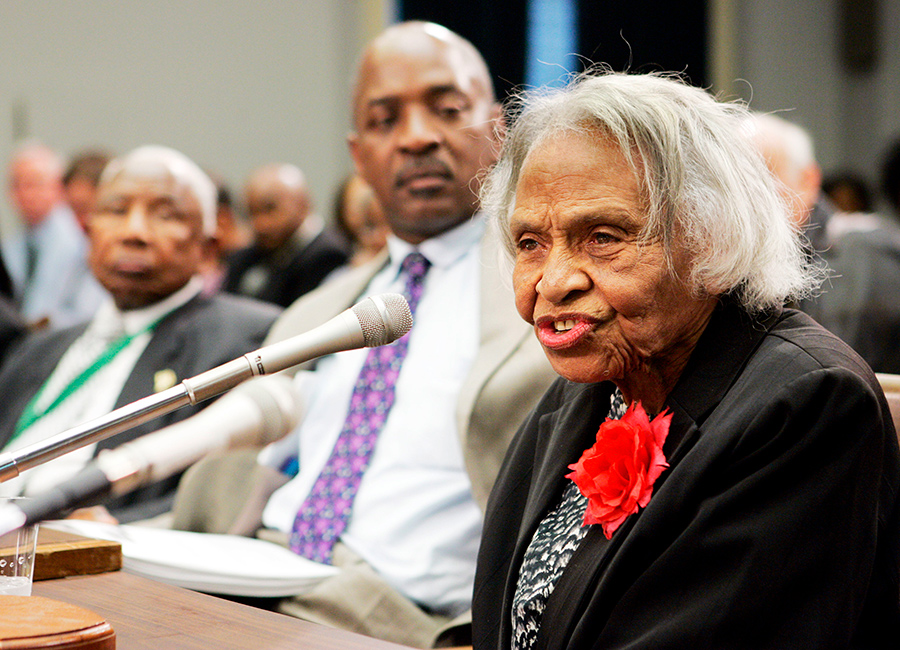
{"type": "Point", "coordinates": [790, 156]}
{"type": "Point", "coordinates": [425, 127]}
{"type": "Point", "coordinates": [415, 38]}
{"type": "Point", "coordinates": [278, 201]}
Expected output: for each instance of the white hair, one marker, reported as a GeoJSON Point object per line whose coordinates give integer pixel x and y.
{"type": "Point", "coordinates": [35, 150]}
{"type": "Point", "coordinates": [707, 189]}
{"type": "Point", "coordinates": [185, 170]}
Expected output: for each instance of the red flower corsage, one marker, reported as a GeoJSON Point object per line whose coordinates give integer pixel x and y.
{"type": "Point", "coordinates": [617, 473]}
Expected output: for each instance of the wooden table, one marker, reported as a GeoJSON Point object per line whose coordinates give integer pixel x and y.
{"type": "Point", "coordinates": [155, 616]}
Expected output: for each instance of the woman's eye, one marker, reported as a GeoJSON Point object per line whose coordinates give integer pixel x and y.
{"type": "Point", "coordinates": [602, 238]}
{"type": "Point", "coordinates": [527, 244]}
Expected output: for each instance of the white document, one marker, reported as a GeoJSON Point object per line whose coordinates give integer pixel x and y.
{"type": "Point", "coordinates": [215, 564]}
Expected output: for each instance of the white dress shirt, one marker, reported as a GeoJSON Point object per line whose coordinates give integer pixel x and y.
{"type": "Point", "coordinates": [414, 519]}
{"type": "Point", "coordinates": [98, 395]}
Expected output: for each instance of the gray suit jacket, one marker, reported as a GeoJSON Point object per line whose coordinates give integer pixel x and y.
{"type": "Point", "coordinates": [860, 303]}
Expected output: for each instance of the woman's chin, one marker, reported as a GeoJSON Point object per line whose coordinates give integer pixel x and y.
{"type": "Point", "coordinates": [580, 370]}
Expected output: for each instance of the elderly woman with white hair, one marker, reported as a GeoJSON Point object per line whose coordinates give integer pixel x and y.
{"type": "Point", "coordinates": [712, 470]}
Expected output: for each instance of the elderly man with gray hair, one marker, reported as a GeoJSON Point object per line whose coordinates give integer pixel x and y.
{"type": "Point", "coordinates": [52, 285]}
{"type": "Point", "coordinates": [153, 223]}
{"type": "Point", "coordinates": [860, 302]}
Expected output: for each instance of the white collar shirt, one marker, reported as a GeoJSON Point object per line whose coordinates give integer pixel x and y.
{"type": "Point", "coordinates": [414, 519]}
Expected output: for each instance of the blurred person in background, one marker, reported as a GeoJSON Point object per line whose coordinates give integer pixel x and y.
{"type": "Point", "coordinates": [789, 153]}
{"type": "Point", "coordinates": [848, 191]}
{"type": "Point", "coordinates": [860, 300]}
{"type": "Point", "coordinates": [293, 251]}
{"type": "Point", "coordinates": [47, 259]}
{"type": "Point", "coordinates": [890, 177]}
{"type": "Point", "coordinates": [232, 235]}
{"type": "Point", "coordinates": [80, 182]}
{"type": "Point", "coordinates": [360, 218]}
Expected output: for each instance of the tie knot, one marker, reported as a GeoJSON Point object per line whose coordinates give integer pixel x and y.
{"type": "Point", "coordinates": [415, 265]}
{"type": "Point", "coordinates": [108, 329]}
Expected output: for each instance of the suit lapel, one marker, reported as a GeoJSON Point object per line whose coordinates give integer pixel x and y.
{"type": "Point", "coordinates": [563, 435]}
{"type": "Point", "coordinates": [499, 337]}
{"type": "Point", "coordinates": [166, 350]}
{"type": "Point", "coordinates": [721, 355]}
{"type": "Point", "coordinates": [28, 378]}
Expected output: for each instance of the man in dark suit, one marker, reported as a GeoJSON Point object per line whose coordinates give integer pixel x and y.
{"type": "Point", "coordinates": [12, 325]}
{"type": "Point", "coordinates": [293, 251]}
{"type": "Point", "coordinates": [154, 220]}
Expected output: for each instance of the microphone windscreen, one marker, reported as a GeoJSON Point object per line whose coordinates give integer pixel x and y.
{"type": "Point", "coordinates": [383, 318]}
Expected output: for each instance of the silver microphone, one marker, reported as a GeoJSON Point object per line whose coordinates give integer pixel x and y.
{"type": "Point", "coordinates": [375, 321]}
{"type": "Point", "coordinates": [256, 413]}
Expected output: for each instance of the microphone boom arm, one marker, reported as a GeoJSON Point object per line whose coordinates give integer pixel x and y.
{"type": "Point", "coordinates": [345, 331]}
{"type": "Point", "coordinates": [117, 421]}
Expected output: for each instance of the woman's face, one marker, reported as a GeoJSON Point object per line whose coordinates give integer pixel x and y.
{"type": "Point", "coordinates": [604, 305]}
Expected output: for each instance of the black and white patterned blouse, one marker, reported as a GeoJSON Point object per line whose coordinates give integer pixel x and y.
{"type": "Point", "coordinates": [554, 542]}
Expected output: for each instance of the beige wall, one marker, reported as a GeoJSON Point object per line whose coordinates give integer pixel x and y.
{"type": "Point", "coordinates": [784, 55]}
{"type": "Point", "coordinates": [235, 84]}
{"type": "Point", "coordinates": [232, 83]}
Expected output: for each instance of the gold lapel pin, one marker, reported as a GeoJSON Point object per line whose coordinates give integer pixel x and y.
{"type": "Point", "coordinates": [164, 380]}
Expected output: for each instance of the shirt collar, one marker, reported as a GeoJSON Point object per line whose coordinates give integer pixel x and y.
{"type": "Point", "coordinates": [136, 320]}
{"type": "Point", "coordinates": [312, 225]}
{"type": "Point", "coordinates": [443, 250]}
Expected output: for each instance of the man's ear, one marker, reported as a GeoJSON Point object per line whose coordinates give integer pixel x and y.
{"type": "Point", "coordinates": [810, 185]}
{"type": "Point", "coordinates": [353, 146]}
{"type": "Point", "coordinates": [211, 248]}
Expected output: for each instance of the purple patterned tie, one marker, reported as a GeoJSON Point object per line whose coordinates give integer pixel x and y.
{"type": "Point", "coordinates": [324, 514]}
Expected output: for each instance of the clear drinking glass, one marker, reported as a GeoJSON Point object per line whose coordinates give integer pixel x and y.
{"type": "Point", "coordinates": [17, 550]}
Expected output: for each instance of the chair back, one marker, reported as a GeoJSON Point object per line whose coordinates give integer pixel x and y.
{"type": "Point", "coordinates": [890, 384]}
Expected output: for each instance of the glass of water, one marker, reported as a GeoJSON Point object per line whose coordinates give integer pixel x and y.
{"type": "Point", "coordinates": [17, 550]}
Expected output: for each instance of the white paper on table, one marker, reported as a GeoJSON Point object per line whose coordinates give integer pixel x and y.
{"type": "Point", "coordinates": [217, 564]}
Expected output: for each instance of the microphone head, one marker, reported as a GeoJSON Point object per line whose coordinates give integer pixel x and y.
{"type": "Point", "coordinates": [383, 318]}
